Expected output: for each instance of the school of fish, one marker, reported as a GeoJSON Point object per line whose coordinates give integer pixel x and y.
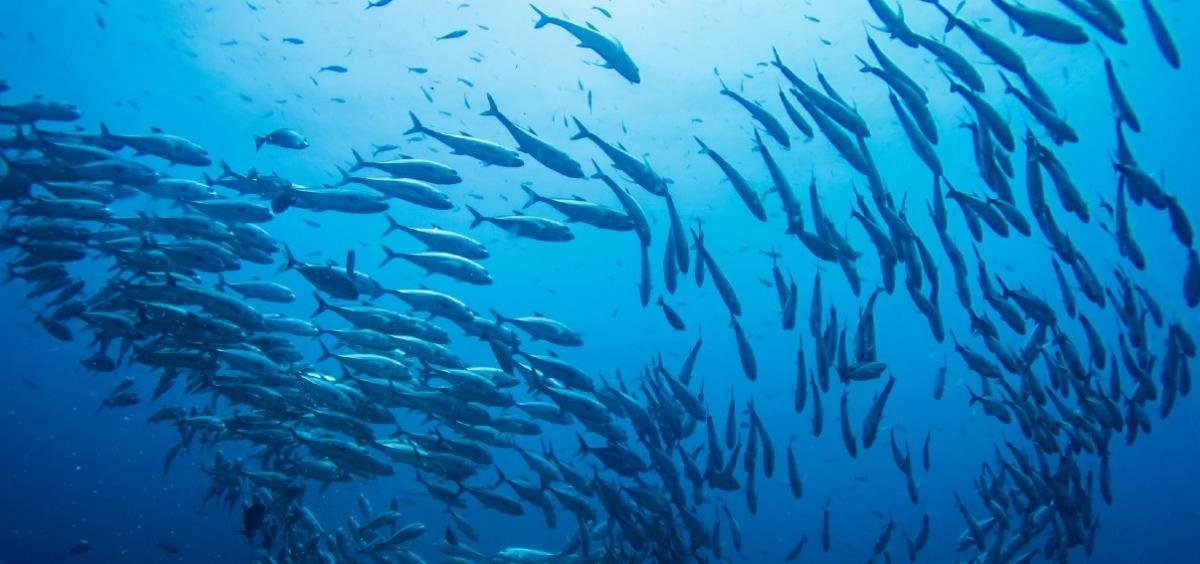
{"type": "Point", "coordinates": [384, 391]}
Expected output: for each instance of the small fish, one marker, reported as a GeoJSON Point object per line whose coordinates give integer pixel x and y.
{"type": "Point", "coordinates": [82, 547]}
{"type": "Point", "coordinates": [293, 40]}
{"type": "Point", "coordinates": [286, 138]}
{"type": "Point", "coordinates": [453, 34]}
{"type": "Point", "coordinates": [418, 70]}
{"type": "Point", "coordinates": [672, 317]}
{"type": "Point", "coordinates": [334, 68]}
{"type": "Point", "coordinates": [604, 12]}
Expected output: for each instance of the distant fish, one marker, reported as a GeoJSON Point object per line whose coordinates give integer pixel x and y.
{"type": "Point", "coordinates": [286, 138]}
{"type": "Point", "coordinates": [83, 547]}
{"type": "Point", "coordinates": [100, 21]}
{"type": "Point", "coordinates": [418, 70]}
{"type": "Point", "coordinates": [378, 4]}
{"type": "Point", "coordinates": [606, 13]}
{"type": "Point", "coordinates": [453, 34]}
{"type": "Point", "coordinates": [293, 40]}
{"type": "Point", "coordinates": [376, 149]}
{"type": "Point", "coordinates": [334, 68]}
{"type": "Point", "coordinates": [229, 43]}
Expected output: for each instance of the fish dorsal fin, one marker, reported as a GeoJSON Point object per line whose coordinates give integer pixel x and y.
{"type": "Point", "coordinates": [592, 27]}
{"type": "Point", "coordinates": [537, 313]}
{"type": "Point", "coordinates": [577, 198]}
{"type": "Point", "coordinates": [156, 130]}
{"type": "Point", "coordinates": [622, 146]}
{"type": "Point", "coordinates": [465, 134]}
{"type": "Point", "coordinates": [518, 212]}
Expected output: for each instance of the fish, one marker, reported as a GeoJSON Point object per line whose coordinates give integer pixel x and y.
{"type": "Point", "coordinates": [640, 171]}
{"type": "Point", "coordinates": [452, 35]}
{"type": "Point", "coordinates": [531, 227]}
{"type": "Point", "coordinates": [339, 69]}
{"type": "Point", "coordinates": [1162, 36]}
{"type": "Point", "coordinates": [1043, 24]}
{"type": "Point", "coordinates": [609, 49]}
{"type": "Point", "coordinates": [761, 115]}
{"type": "Point", "coordinates": [286, 138]}
{"type": "Point", "coordinates": [485, 151]}
{"type": "Point", "coordinates": [673, 318]}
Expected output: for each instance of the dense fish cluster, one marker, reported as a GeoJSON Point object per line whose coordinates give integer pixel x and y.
{"type": "Point", "coordinates": [385, 390]}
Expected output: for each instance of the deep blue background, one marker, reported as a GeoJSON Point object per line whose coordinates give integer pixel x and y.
{"type": "Point", "coordinates": [69, 473]}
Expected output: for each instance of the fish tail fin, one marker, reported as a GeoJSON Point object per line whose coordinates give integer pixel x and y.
{"type": "Point", "coordinates": [866, 67]}
{"type": "Point", "coordinates": [358, 160]}
{"type": "Point", "coordinates": [322, 305]}
{"type": "Point", "coordinates": [533, 196]}
{"type": "Point", "coordinates": [543, 19]}
{"type": "Point", "coordinates": [393, 225]}
{"type": "Point", "coordinates": [583, 133]}
{"type": "Point", "coordinates": [583, 446]}
{"type": "Point", "coordinates": [416, 125]}
{"type": "Point", "coordinates": [777, 61]}
{"type": "Point", "coordinates": [259, 140]}
{"type": "Point", "coordinates": [476, 217]}
{"type": "Point", "coordinates": [389, 255]}
{"type": "Point", "coordinates": [290, 259]}
{"type": "Point", "coordinates": [500, 477]}
{"type": "Point", "coordinates": [325, 353]}
{"type": "Point", "coordinates": [492, 109]}
{"type": "Point", "coordinates": [599, 173]}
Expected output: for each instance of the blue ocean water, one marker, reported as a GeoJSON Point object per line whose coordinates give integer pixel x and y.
{"type": "Point", "coordinates": [218, 73]}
